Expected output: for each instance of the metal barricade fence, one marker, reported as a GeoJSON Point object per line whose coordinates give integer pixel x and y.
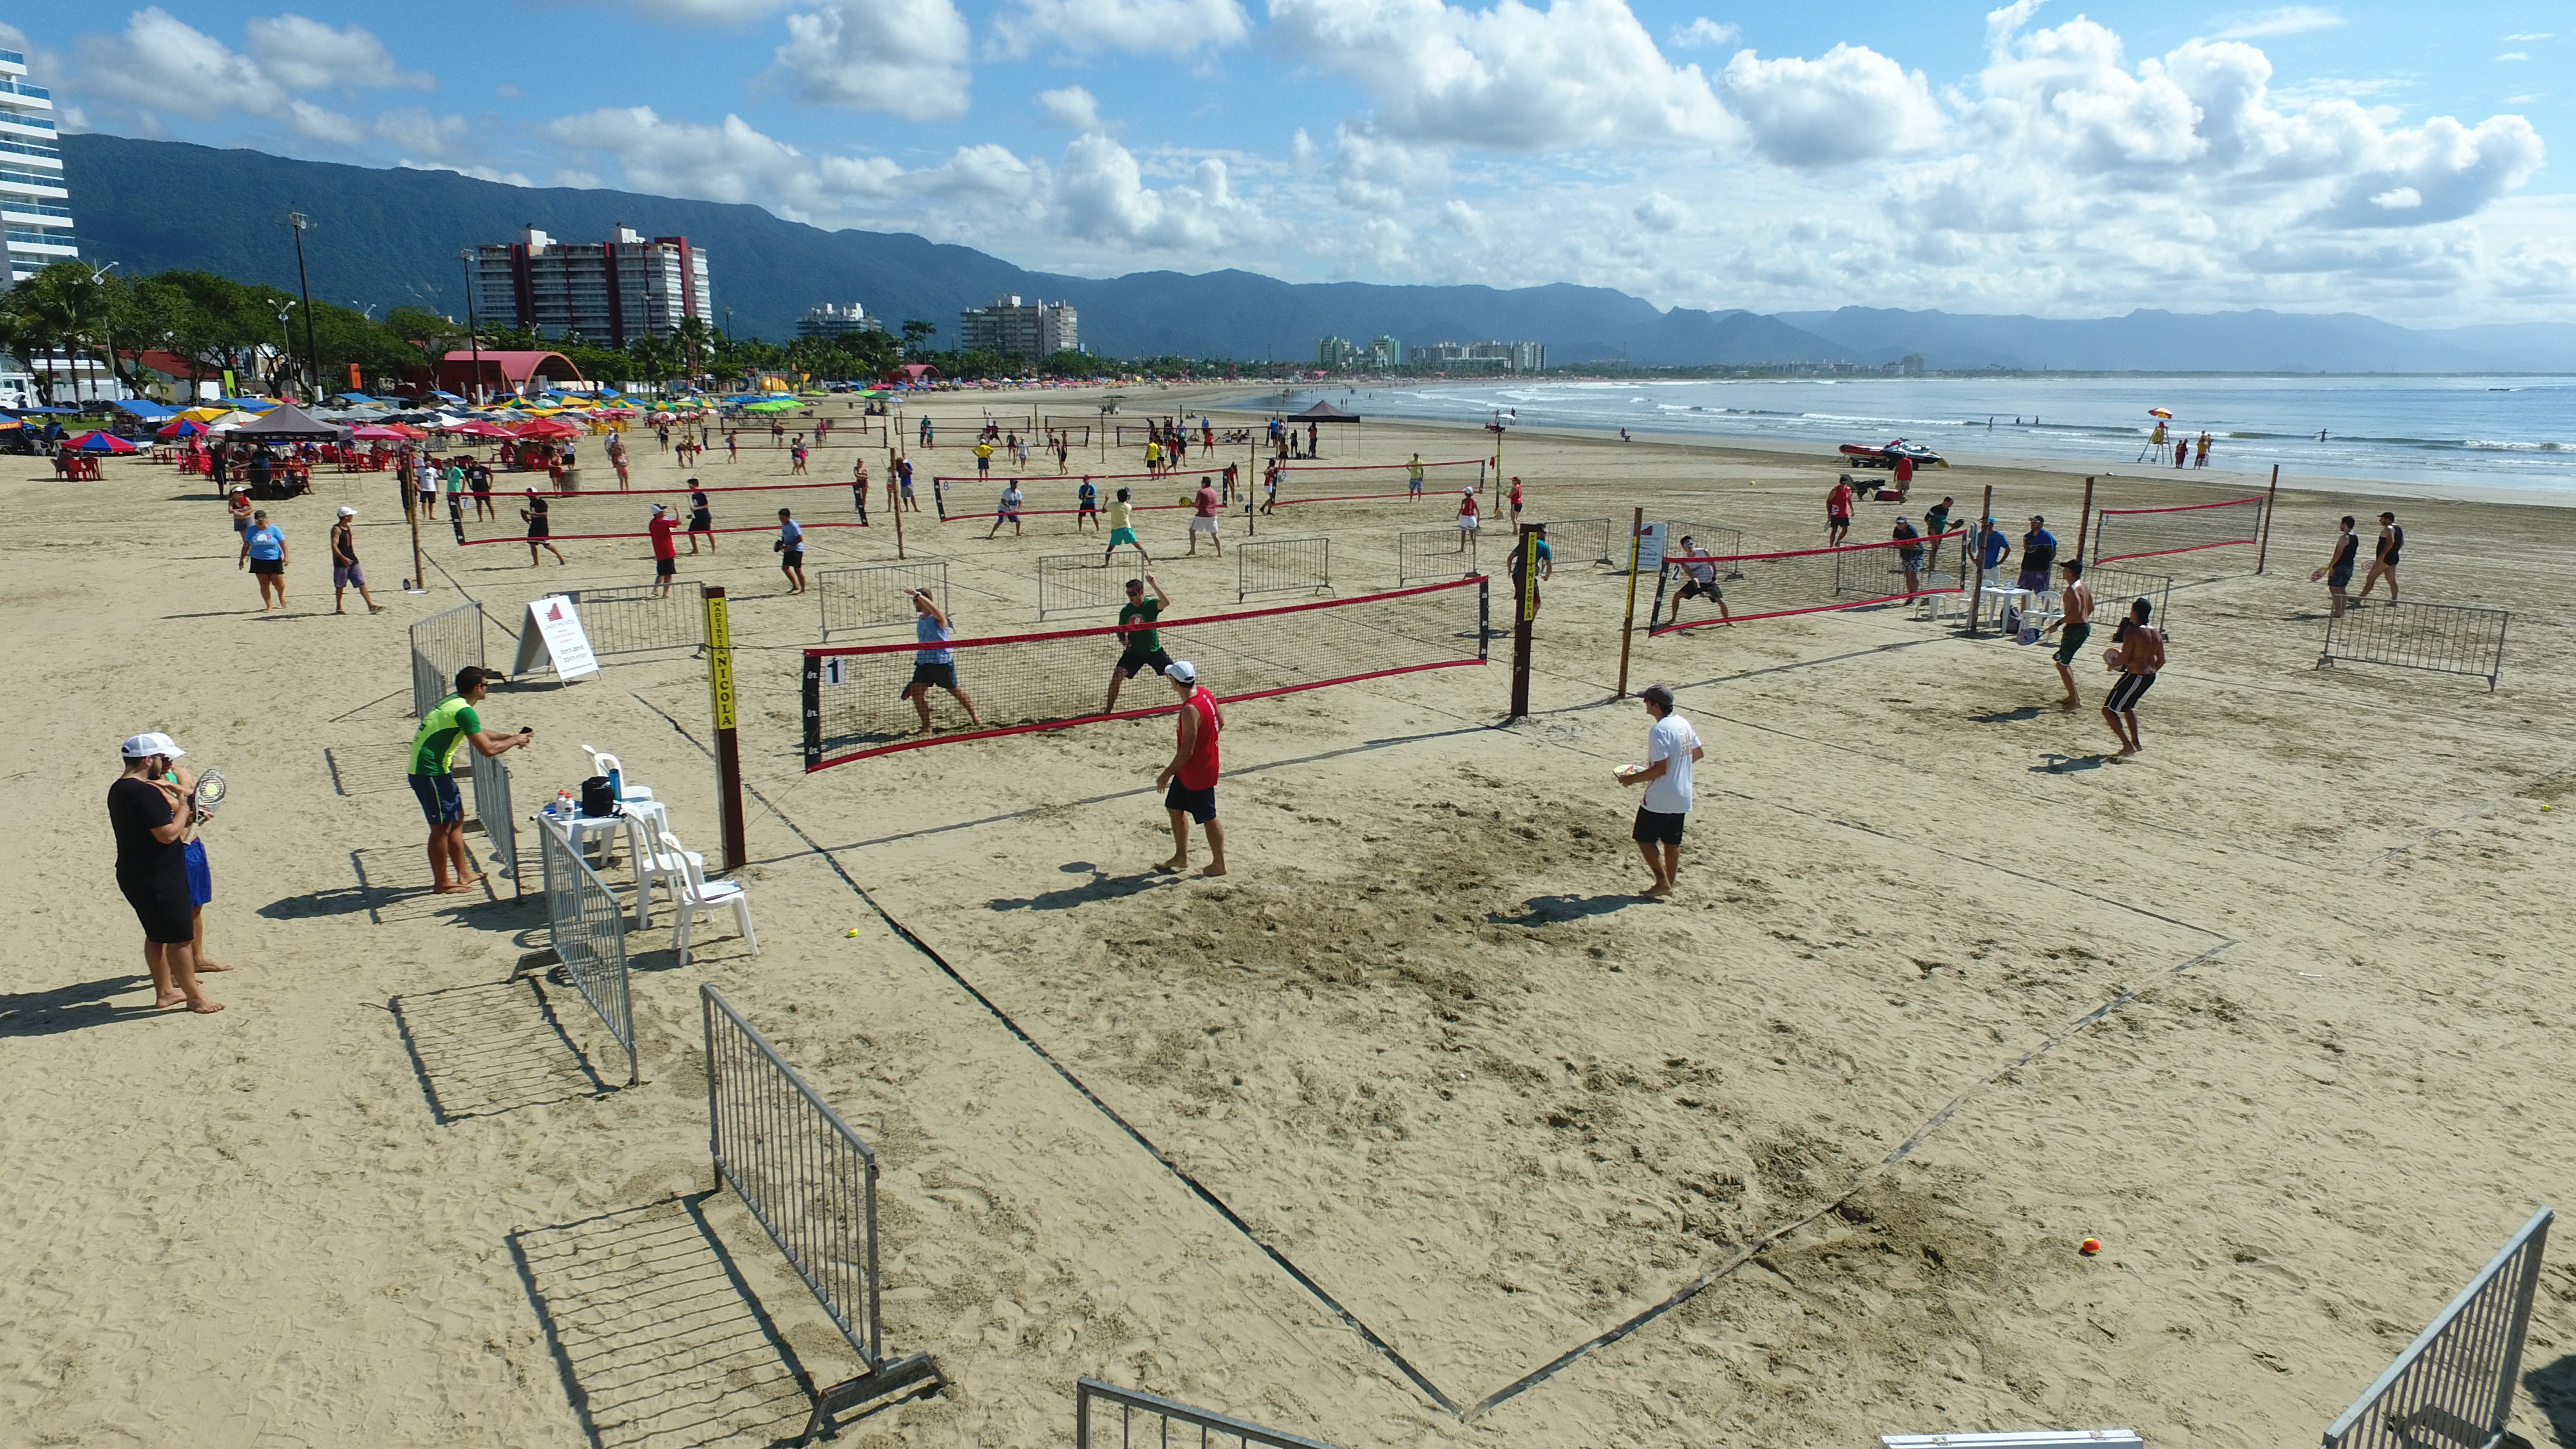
{"type": "Point", "coordinates": [811, 1184]}
{"type": "Point", "coordinates": [1106, 1416]}
{"type": "Point", "coordinates": [1283, 566]}
{"type": "Point", "coordinates": [628, 619]}
{"type": "Point", "coordinates": [492, 807]}
{"type": "Point", "coordinates": [2453, 1386]}
{"type": "Point", "coordinates": [2444, 638]}
{"type": "Point", "coordinates": [442, 644]}
{"type": "Point", "coordinates": [1072, 581]}
{"type": "Point", "coordinates": [1426, 554]}
{"type": "Point", "coordinates": [1581, 540]}
{"type": "Point", "coordinates": [588, 928]}
{"type": "Point", "coordinates": [878, 593]}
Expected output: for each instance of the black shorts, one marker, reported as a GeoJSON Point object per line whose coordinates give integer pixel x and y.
{"type": "Point", "coordinates": [268, 565]}
{"type": "Point", "coordinates": [1654, 827]}
{"type": "Point", "coordinates": [702, 522]}
{"type": "Point", "coordinates": [2124, 695]}
{"type": "Point", "coordinates": [1200, 803]}
{"type": "Point", "coordinates": [1135, 659]}
{"type": "Point", "coordinates": [791, 558]}
{"type": "Point", "coordinates": [161, 903]}
{"type": "Point", "coordinates": [1694, 589]}
{"type": "Point", "coordinates": [664, 568]}
{"type": "Point", "coordinates": [536, 531]}
{"type": "Point", "coordinates": [2073, 640]}
{"type": "Point", "coordinates": [943, 675]}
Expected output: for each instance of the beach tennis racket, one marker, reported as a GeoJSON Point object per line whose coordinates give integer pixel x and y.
{"type": "Point", "coordinates": [210, 793]}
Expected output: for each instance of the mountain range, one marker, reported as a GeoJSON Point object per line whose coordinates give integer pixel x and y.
{"type": "Point", "coordinates": [390, 237]}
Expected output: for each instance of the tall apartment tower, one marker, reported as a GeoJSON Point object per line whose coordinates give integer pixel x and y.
{"type": "Point", "coordinates": [608, 293]}
{"type": "Point", "coordinates": [35, 206]}
{"type": "Point", "coordinates": [1033, 330]}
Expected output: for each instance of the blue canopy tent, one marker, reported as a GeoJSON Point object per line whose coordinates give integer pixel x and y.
{"type": "Point", "coordinates": [145, 408]}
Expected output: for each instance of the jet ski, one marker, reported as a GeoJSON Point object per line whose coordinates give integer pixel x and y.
{"type": "Point", "coordinates": [1863, 455]}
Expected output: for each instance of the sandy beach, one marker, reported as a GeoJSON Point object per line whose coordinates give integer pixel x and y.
{"type": "Point", "coordinates": [2266, 1008]}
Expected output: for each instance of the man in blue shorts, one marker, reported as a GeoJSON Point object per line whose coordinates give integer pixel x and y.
{"type": "Point", "coordinates": [451, 724]}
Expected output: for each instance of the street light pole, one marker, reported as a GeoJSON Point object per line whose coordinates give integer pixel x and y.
{"type": "Point", "coordinates": [98, 279]}
{"type": "Point", "coordinates": [473, 339]}
{"type": "Point", "coordinates": [299, 223]}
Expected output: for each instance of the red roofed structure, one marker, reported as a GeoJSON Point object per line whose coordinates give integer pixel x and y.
{"type": "Point", "coordinates": [504, 372]}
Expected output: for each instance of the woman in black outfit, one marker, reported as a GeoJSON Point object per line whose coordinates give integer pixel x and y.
{"type": "Point", "coordinates": [152, 821]}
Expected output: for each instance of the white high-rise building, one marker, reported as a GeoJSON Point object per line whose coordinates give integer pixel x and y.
{"type": "Point", "coordinates": [1032, 331]}
{"type": "Point", "coordinates": [829, 319]}
{"type": "Point", "coordinates": [606, 293]}
{"type": "Point", "coordinates": [35, 206]}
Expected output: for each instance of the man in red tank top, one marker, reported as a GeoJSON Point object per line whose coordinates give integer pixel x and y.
{"type": "Point", "coordinates": [1193, 771]}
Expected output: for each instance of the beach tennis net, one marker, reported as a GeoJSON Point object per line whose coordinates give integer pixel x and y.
{"type": "Point", "coordinates": [1682, 536]}
{"type": "Point", "coordinates": [1049, 501]}
{"type": "Point", "coordinates": [1349, 482]}
{"type": "Point", "coordinates": [2122, 533]}
{"type": "Point", "coordinates": [584, 516]}
{"type": "Point", "coordinates": [854, 708]}
{"type": "Point", "coordinates": [1801, 581]}
{"type": "Point", "coordinates": [877, 594]}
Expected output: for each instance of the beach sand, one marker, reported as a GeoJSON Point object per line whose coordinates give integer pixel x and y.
{"type": "Point", "coordinates": [2266, 1009]}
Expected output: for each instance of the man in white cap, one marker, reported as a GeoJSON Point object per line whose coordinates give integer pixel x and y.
{"type": "Point", "coordinates": [666, 549]}
{"type": "Point", "coordinates": [152, 819]}
{"type": "Point", "coordinates": [345, 572]}
{"type": "Point", "coordinates": [1193, 771]}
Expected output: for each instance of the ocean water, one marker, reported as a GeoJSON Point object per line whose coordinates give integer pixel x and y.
{"type": "Point", "coordinates": [2494, 432]}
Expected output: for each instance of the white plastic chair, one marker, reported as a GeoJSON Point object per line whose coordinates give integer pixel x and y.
{"type": "Point", "coordinates": [655, 861]}
{"type": "Point", "coordinates": [699, 894]}
{"type": "Point", "coordinates": [602, 763]}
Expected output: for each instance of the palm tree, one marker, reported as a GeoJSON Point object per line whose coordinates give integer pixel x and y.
{"type": "Point", "coordinates": [695, 339]}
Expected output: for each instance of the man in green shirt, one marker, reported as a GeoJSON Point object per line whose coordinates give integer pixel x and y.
{"type": "Point", "coordinates": [1144, 642]}
{"type": "Point", "coordinates": [449, 725]}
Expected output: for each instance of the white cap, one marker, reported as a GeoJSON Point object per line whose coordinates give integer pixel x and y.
{"type": "Point", "coordinates": [1180, 669]}
{"type": "Point", "coordinates": [347, 512]}
{"type": "Point", "coordinates": [145, 746]}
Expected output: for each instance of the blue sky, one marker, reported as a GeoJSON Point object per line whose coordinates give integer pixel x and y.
{"type": "Point", "coordinates": [2041, 157]}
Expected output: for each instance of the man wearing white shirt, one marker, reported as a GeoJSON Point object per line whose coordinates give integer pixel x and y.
{"type": "Point", "coordinates": [1672, 747]}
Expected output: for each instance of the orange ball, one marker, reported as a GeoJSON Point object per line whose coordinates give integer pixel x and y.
{"type": "Point", "coordinates": [2089, 1247]}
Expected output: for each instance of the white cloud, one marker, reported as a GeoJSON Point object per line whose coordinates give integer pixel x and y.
{"type": "Point", "coordinates": [1174, 27]}
{"type": "Point", "coordinates": [1579, 73]}
{"type": "Point", "coordinates": [2283, 20]}
{"type": "Point", "coordinates": [163, 66]}
{"type": "Point", "coordinates": [2514, 55]}
{"type": "Point", "coordinates": [1660, 213]}
{"type": "Point", "coordinates": [1703, 31]}
{"type": "Point", "coordinates": [907, 57]}
{"type": "Point", "coordinates": [1101, 196]}
{"type": "Point", "coordinates": [1376, 173]}
{"type": "Point", "coordinates": [1072, 107]}
{"type": "Point", "coordinates": [1851, 104]}
{"type": "Point", "coordinates": [2530, 35]}
{"type": "Point", "coordinates": [728, 161]}
{"type": "Point", "coordinates": [309, 55]}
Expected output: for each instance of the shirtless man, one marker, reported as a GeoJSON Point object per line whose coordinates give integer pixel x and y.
{"type": "Point", "coordinates": [2075, 601]}
{"type": "Point", "coordinates": [2141, 654]}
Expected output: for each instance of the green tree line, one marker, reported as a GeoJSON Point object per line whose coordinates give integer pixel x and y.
{"type": "Point", "coordinates": [216, 325]}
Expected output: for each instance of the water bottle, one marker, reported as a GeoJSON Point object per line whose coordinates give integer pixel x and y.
{"type": "Point", "coordinates": [616, 783]}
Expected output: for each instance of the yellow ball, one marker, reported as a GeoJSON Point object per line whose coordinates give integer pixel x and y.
{"type": "Point", "coordinates": [2544, 807]}
{"type": "Point", "coordinates": [851, 932]}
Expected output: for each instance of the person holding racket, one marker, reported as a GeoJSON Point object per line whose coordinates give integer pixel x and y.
{"type": "Point", "coordinates": [1193, 771]}
{"type": "Point", "coordinates": [934, 664]}
{"type": "Point", "coordinates": [1142, 643]}
{"type": "Point", "coordinates": [450, 725]}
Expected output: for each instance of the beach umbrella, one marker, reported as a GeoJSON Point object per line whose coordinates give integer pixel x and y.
{"type": "Point", "coordinates": [477, 428]}
{"type": "Point", "coordinates": [378, 433]}
{"type": "Point", "coordinates": [547, 428]}
{"type": "Point", "coordinates": [183, 428]}
{"type": "Point", "coordinates": [2165, 413]}
{"type": "Point", "coordinates": [98, 442]}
